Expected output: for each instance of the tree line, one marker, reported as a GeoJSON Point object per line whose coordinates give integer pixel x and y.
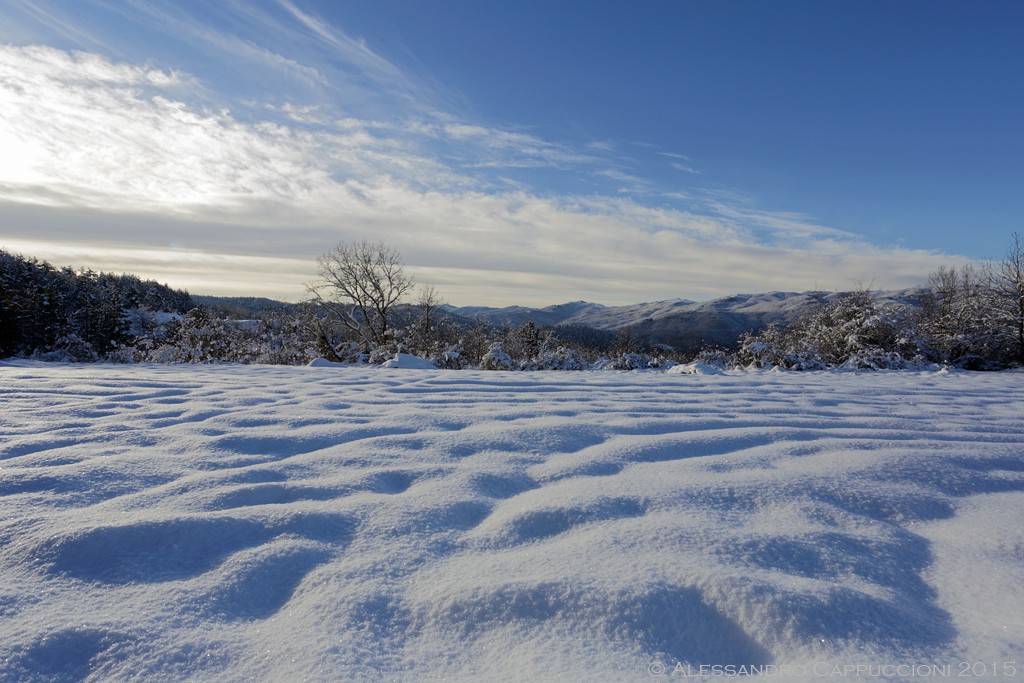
{"type": "Point", "coordinates": [365, 308]}
{"type": "Point", "coordinates": [64, 314]}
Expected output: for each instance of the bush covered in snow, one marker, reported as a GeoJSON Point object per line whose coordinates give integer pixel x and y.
{"type": "Point", "coordinates": [855, 331]}
{"type": "Point", "coordinates": [561, 358]}
{"type": "Point", "coordinates": [70, 348]}
{"type": "Point", "coordinates": [452, 358]}
{"type": "Point", "coordinates": [497, 359]}
{"type": "Point", "coordinates": [634, 361]}
{"type": "Point", "coordinates": [527, 347]}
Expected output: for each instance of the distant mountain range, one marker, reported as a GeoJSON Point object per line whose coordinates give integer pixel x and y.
{"type": "Point", "coordinates": [685, 325]}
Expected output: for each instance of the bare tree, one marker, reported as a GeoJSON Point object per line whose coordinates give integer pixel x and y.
{"type": "Point", "coordinates": [955, 317]}
{"type": "Point", "coordinates": [425, 332]}
{"type": "Point", "coordinates": [359, 285]}
{"type": "Point", "coordinates": [974, 317]}
{"type": "Point", "coordinates": [1007, 282]}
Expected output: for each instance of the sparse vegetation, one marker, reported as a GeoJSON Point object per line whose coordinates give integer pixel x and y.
{"type": "Point", "coordinates": [967, 317]}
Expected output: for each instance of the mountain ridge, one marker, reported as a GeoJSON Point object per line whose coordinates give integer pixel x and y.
{"type": "Point", "coordinates": [681, 323]}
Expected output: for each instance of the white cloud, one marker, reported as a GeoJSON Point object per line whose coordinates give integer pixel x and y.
{"type": "Point", "coordinates": [97, 133]}
{"type": "Point", "coordinates": [97, 148]}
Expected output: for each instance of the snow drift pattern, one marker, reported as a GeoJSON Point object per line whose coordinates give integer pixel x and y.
{"type": "Point", "coordinates": [338, 523]}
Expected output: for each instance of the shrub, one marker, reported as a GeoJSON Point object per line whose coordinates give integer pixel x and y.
{"type": "Point", "coordinates": [561, 358]}
{"type": "Point", "coordinates": [854, 331]}
{"type": "Point", "coordinates": [497, 359]}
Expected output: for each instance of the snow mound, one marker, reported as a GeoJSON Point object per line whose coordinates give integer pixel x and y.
{"type": "Point", "coordinates": [695, 369]}
{"type": "Point", "coordinates": [407, 361]}
{"type": "Point", "coordinates": [268, 523]}
{"type": "Point", "coordinates": [324, 363]}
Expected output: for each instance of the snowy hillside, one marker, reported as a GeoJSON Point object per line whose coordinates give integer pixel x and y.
{"type": "Point", "coordinates": [781, 304]}
{"type": "Point", "coordinates": [559, 314]}
{"type": "Point", "coordinates": [684, 324]}
{"type": "Point", "coordinates": [249, 523]}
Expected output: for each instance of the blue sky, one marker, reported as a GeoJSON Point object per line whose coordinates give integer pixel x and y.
{"type": "Point", "coordinates": [520, 152]}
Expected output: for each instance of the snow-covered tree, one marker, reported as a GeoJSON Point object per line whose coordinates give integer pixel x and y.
{"type": "Point", "coordinates": [956, 323]}
{"type": "Point", "coordinates": [1006, 279]}
{"type": "Point", "coordinates": [525, 342]}
{"type": "Point", "coordinates": [196, 338]}
{"type": "Point", "coordinates": [561, 358]}
{"type": "Point", "coordinates": [497, 359]}
{"type": "Point", "coordinates": [855, 331]}
{"type": "Point", "coordinates": [46, 311]}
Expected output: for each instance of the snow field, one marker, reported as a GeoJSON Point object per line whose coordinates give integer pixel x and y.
{"type": "Point", "coordinates": [327, 523]}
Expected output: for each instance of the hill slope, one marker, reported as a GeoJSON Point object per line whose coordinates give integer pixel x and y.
{"type": "Point", "coordinates": [681, 323]}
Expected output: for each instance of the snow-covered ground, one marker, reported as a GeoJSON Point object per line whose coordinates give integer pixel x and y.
{"type": "Point", "coordinates": [326, 523]}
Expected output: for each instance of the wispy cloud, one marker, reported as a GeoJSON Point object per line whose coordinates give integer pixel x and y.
{"type": "Point", "coordinates": [627, 182]}
{"type": "Point", "coordinates": [127, 166]}
{"type": "Point", "coordinates": [358, 56]}
{"type": "Point", "coordinates": [685, 168]}
{"type": "Point", "coordinates": [177, 22]}
{"type": "Point", "coordinates": [681, 162]}
{"type": "Point", "coordinates": [39, 13]}
{"type": "Point", "coordinates": [504, 148]}
{"type": "Point", "coordinates": [778, 226]}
